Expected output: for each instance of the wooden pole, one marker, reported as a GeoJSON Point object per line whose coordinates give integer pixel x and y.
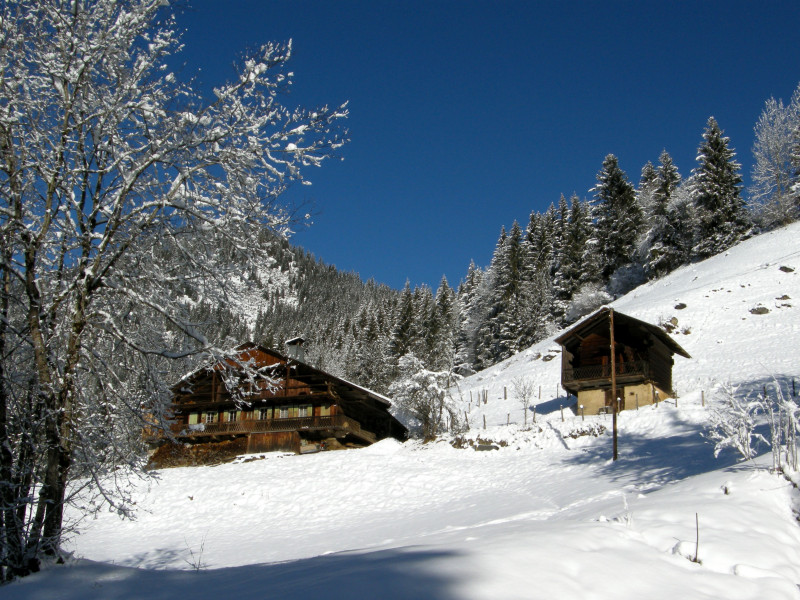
{"type": "Point", "coordinates": [484, 421]}
{"type": "Point", "coordinates": [613, 382]}
{"type": "Point", "coordinates": [561, 407]}
{"type": "Point", "coordinates": [534, 413]}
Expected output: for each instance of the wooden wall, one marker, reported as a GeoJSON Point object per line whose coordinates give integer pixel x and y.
{"type": "Point", "coordinates": [286, 441]}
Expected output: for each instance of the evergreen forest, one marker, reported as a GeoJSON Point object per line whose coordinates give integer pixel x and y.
{"type": "Point", "coordinates": [568, 260]}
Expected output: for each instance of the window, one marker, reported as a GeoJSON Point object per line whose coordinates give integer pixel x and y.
{"type": "Point", "coordinates": [283, 412]}
{"type": "Point", "coordinates": [231, 416]}
{"type": "Point", "coordinates": [210, 417]}
{"type": "Point", "coordinates": [304, 411]}
{"type": "Point", "coordinates": [263, 414]}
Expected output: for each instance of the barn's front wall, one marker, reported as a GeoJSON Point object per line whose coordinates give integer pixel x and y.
{"type": "Point", "coordinates": [594, 400]}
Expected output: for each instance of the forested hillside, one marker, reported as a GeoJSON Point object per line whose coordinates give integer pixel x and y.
{"type": "Point", "coordinates": [575, 256]}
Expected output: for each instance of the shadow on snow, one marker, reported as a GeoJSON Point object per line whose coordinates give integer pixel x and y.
{"type": "Point", "coordinates": [653, 461]}
{"type": "Point", "coordinates": [387, 574]}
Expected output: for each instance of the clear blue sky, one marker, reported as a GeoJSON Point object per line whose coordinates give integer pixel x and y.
{"type": "Point", "coordinates": [465, 115]}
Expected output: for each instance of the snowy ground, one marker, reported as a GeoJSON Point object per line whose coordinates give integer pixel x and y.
{"type": "Point", "coordinates": [546, 515]}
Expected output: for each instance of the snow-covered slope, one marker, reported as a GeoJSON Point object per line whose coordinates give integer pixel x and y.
{"type": "Point", "coordinates": [545, 515]}
{"type": "Point", "coordinates": [711, 306]}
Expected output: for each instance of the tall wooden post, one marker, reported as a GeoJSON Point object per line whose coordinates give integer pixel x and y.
{"type": "Point", "coordinates": [613, 382]}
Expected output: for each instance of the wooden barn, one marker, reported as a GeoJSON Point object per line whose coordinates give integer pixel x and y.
{"type": "Point", "coordinates": [642, 361]}
{"type": "Point", "coordinates": [278, 402]}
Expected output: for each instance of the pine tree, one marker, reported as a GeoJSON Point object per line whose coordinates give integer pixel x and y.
{"type": "Point", "coordinates": [648, 183]}
{"type": "Point", "coordinates": [618, 217]}
{"type": "Point", "coordinates": [492, 342]}
{"type": "Point", "coordinates": [579, 232]}
{"type": "Point", "coordinates": [402, 336]}
{"type": "Point", "coordinates": [422, 344]}
{"type": "Point", "coordinates": [667, 242]}
{"type": "Point", "coordinates": [443, 331]}
{"type": "Point", "coordinates": [471, 313]}
{"type": "Point", "coordinates": [722, 216]}
{"type": "Point", "coordinates": [560, 267]}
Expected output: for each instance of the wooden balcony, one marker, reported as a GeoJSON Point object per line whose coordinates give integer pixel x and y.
{"type": "Point", "coordinates": [598, 373]}
{"type": "Point", "coordinates": [340, 424]}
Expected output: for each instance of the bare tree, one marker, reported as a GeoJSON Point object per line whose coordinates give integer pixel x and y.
{"type": "Point", "coordinates": [523, 390]}
{"type": "Point", "coordinates": [773, 172]}
{"type": "Point", "coordinates": [106, 159]}
{"type": "Point", "coordinates": [732, 422]}
{"type": "Point", "coordinates": [423, 399]}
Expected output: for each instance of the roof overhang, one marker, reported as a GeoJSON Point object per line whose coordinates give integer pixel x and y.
{"type": "Point", "coordinates": [581, 329]}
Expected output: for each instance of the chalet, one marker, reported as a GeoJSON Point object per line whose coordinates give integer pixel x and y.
{"type": "Point", "coordinates": [642, 361]}
{"type": "Point", "coordinates": [267, 401]}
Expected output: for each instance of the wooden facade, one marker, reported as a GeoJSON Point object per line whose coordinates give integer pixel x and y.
{"type": "Point", "coordinates": [277, 403]}
{"type": "Point", "coordinates": [642, 361]}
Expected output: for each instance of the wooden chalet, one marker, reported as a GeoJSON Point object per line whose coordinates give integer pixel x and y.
{"type": "Point", "coordinates": [642, 361]}
{"type": "Point", "coordinates": [278, 402]}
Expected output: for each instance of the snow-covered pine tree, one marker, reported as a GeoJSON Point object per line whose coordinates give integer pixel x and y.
{"type": "Point", "coordinates": [618, 217]}
{"type": "Point", "coordinates": [371, 363]}
{"type": "Point", "coordinates": [666, 246]}
{"type": "Point", "coordinates": [648, 182]}
{"type": "Point", "coordinates": [722, 217]}
{"type": "Point", "coordinates": [579, 231]}
{"type": "Point", "coordinates": [443, 331]}
{"type": "Point", "coordinates": [424, 308]}
{"type": "Point", "coordinates": [471, 312]}
{"type": "Point", "coordinates": [496, 334]}
{"type": "Point", "coordinates": [403, 333]}
{"type": "Point", "coordinates": [559, 267]}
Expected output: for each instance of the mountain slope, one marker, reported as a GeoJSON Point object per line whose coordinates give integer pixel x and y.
{"type": "Point", "coordinates": [546, 515]}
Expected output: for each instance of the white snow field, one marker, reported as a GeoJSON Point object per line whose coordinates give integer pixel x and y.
{"type": "Point", "coordinates": [545, 515]}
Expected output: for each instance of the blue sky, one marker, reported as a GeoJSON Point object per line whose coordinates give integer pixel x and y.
{"type": "Point", "coordinates": [465, 115]}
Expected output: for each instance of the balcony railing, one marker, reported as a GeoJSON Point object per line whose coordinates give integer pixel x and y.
{"type": "Point", "coordinates": [340, 422]}
{"type": "Point", "coordinates": [623, 369]}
